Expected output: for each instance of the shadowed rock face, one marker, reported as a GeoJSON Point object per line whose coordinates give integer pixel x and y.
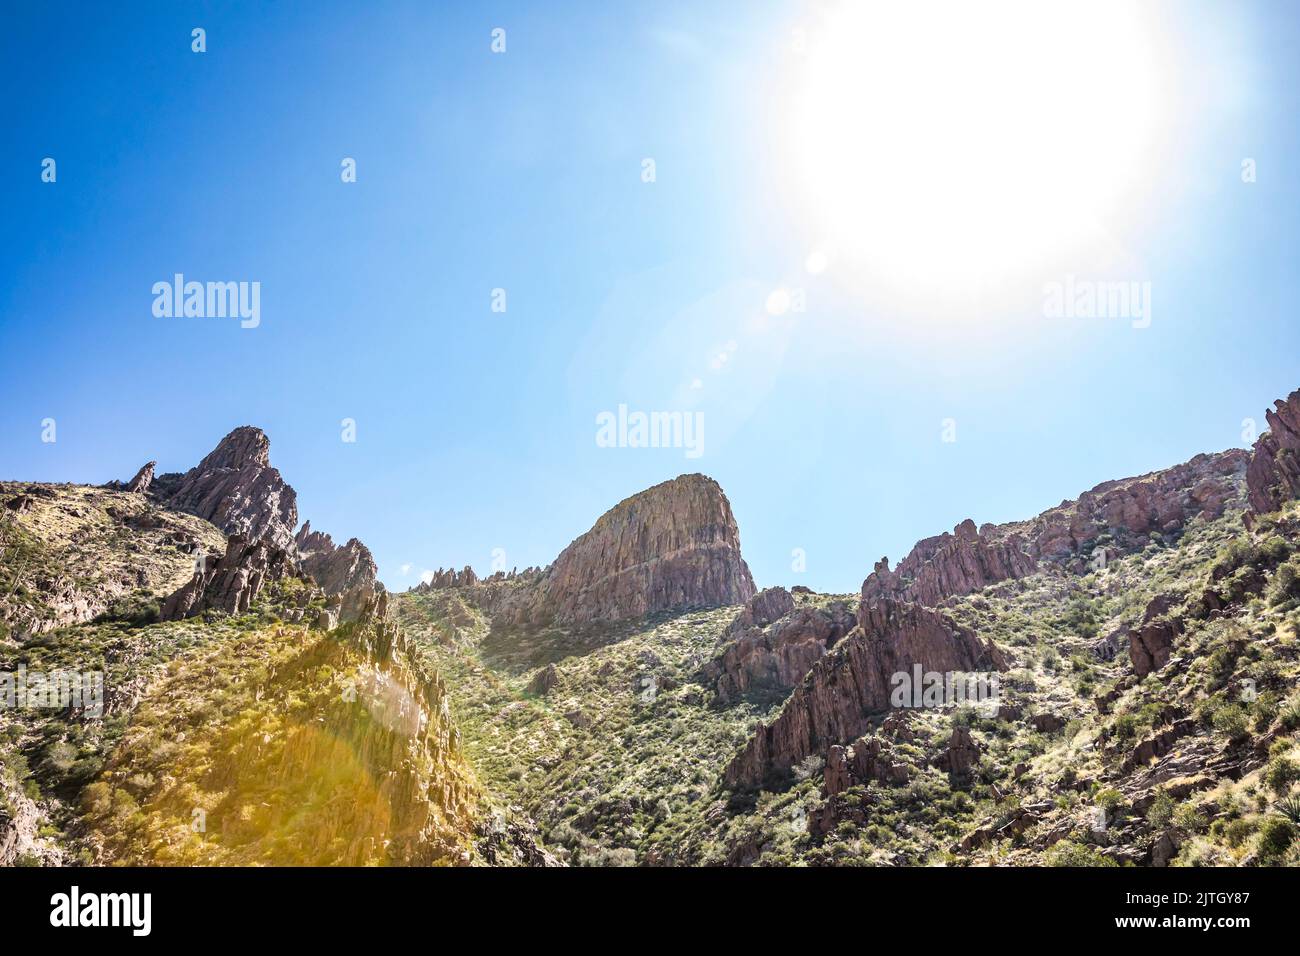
{"type": "Point", "coordinates": [675, 545]}
{"type": "Point", "coordinates": [773, 644]}
{"type": "Point", "coordinates": [969, 559]}
{"type": "Point", "coordinates": [1274, 474]}
{"type": "Point", "coordinates": [852, 683]}
{"type": "Point", "coordinates": [229, 583]}
{"type": "Point", "coordinates": [349, 571]}
{"type": "Point", "coordinates": [1151, 643]}
{"type": "Point", "coordinates": [236, 489]}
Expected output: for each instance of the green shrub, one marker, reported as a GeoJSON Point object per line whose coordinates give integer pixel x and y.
{"type": "Point", "coordinates": [1280, 774]}
{"type": "Point", "coordinates": [1285, 585]}
{"type": "Point", "coordinates": [1161, 811]}
{"type": "Point", "coordinates": [1069, 853]}
{"type": "Point", "coordinates": [1276, 835]}
{"type": "Point", "coordinates": [1231, 721]}
{"type": "Point", "coordinates": [1238, 831]}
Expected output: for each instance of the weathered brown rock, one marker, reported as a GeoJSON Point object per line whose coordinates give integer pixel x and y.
{"type": "Point", "coordinates": [675, 545]}
{"type": "Point", "coordinates": [766, 606]}
{"type": "Point", "coordinates": [1162, 501]}
{"type": "Point", "coordinates": [843, 690]}
{"type": "Point", "coordinates": [229, 583]}
{"type": "Point", "coordinates": [949, 564]}
{"type": "Point", "coordinates": [1274, 474]}
{"type": "Point", "coordinates": [1158, 744]}
{"type": "Point", "coordinates": [1151, 643]}
{"type": "Point", "coordinates": [961, 755]}
{"type": "Point", "coordinates": [236, 489]}
{"type": "Point", "coordinates": [544, 680]}
{"type": "Point", "coordinates": [869, 759]}
{"type": "Point", "coordinates": [143, 478]}
{"type": "Point", "coordinates": [1047, 723]}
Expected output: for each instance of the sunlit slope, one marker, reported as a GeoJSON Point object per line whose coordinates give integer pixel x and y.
{"type": "Point", "coordinates": [288, 746]}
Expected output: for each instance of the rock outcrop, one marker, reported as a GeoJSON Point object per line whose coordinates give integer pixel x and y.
{"type": "Point", "coordinates": [229, 583]}
{"type": "Point", "coordinates": [850, 685]}
{"type": "Point", "coordinates": [774, 644]}
{"type": "Point", "coordinates": [961, 755]}
{"type": "Point", "coordinates": [1273, 477]}
{"type": "Point", "coordinates": [1163, 501]}
{"type": "Point", "coordinates": [236, 489]}
{"type": "Point", "coordinates": [1151, 644]}
{"type": "Point", "coordinates": [675, 545]}
{"type": "Point", "coordinates": [143, 478]}
{"type": "Point", "coordinates": [948, 565]}
{"type": "Point", "coordinates": [869, 759]}
{"type": "Point", "coordinates": [768, 605]}
{"type": "Point", "coordinates": [349, 572]}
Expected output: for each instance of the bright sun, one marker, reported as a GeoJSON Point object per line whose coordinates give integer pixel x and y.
{"type": "Point", "coordinates": [962, 141]}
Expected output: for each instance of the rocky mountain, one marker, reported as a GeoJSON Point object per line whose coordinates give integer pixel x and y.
{"type": "Point", "coordinates": [675, 545]}
{"type": "Point", "coordinates": [1117, 515]}
{"type": "Point", "coordinates": [236, 489]}
{"type": "Point", "coordinates": [241, 683]}
{"type": "Point", "coordinates": [1133, 655]}
{"type": "Point", "coordinates": [1119, 627]}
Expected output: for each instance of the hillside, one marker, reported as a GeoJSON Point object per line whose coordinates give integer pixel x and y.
{"type": "Point", "coordinates": [214, 699]}
{"type": "Point", "coordinates": [1144, 638]}
{"type": "Point", "coordinates": [1115, 681]}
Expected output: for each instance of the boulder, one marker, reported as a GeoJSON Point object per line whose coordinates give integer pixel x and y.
{"type": "Point", "coordinates": [143, 478]}
{"type": "Point", "coordinates": [1151, 643]}
{"type": "Point", "coordinates": [961, 755]}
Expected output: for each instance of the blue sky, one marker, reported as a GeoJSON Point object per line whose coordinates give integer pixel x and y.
{"type": "Point", "coordinates": [523, 170]}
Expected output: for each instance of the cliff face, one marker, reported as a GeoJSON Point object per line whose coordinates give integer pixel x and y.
{"type": "Point", "coordinates": [1274, 474]}
{"type": "Point", "coordinates": [674, 545]}
{"type": "Point", "coordinates": [851, 684]}
{"type": "Point", "coordinates": [236, 489]}
{"type": "Point", "coordinates": [349, 571]}
{"type": "Point", "coordinates": [772, 644]}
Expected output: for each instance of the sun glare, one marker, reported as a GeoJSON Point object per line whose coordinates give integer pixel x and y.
{"type": "Point", "coordinates": [956, 142]}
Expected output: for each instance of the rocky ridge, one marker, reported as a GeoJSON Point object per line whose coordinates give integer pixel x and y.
{"type": "Point", "coordinates": [1129, 510]}
{"type": "Point", "coordinates": [850, 686]}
